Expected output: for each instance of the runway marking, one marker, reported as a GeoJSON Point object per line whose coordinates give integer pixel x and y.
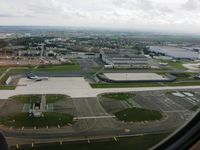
{"type": "Point", "coordinates": [49, 107]}
{"type": "Point", "coordinates": [131, 135]}
{"type": "Point", "coordinates": [88, 140]}
{"type": "Point", "coordinates": [26, 107]}
{"type": "Point", "coordinates": [191, 100]}
{"type": "Point", "coordinates": [170, 101]}
{"type": "Point", "coordinates": [17, 146]}
{"type": "Point", "coordinates": [115, 138]}
{"type": "Point", "coordinates": [172, 111]}
{"type": "Point", "coordinates": [93, 117]}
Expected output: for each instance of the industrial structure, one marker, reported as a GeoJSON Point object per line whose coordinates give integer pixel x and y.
{"type": "Point", "coordinates": [174, 52]}
{"type": "Point", "coordinates": [123, 59]}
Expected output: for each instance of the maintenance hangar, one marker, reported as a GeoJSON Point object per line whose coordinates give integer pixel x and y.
{"type": "Point", "coordinates": [123, 59]}
{"type": "Point", "coordinates": [174, 52]}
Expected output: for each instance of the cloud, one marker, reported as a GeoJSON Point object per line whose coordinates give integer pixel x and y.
{"type": "Point", "coordinates": [192, 5]}
{"type": "Point", "coordinates": [130, 14]}
{"type": "Point", "coordinates": [6, 15]}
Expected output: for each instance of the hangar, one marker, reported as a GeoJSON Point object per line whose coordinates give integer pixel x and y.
{"type": "Point", "coordinates": [174, 52]}
{"type": "Point", "coordinates": [124, 59]}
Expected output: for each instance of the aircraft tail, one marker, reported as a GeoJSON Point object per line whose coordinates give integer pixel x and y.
{"type": "Point", "coordinates": [27, 75]}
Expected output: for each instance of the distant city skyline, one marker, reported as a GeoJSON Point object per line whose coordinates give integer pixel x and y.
{"type": "Point", "coordinates": [149, 15]}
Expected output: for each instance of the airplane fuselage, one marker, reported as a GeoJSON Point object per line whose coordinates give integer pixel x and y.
{"type": "Point", "coordinates": [36, 78]}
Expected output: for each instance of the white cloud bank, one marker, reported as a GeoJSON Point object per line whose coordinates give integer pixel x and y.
{"type": "Point", "coordinates": [170, 15]}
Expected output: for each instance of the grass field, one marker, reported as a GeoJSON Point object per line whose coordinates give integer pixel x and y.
{"type": "Point", "coordinates": [58, 68]}
{"type": "Point", "coordinates": [175, 65]}
{"type": "Point", "coordinates": [138, 114]}
{"type": "Point", "coordinates": [128, 143]}
{"type": "Point", "coordinates": [124, 85]}
{"type": "Point", "coordinates": [46, 68]}
{"type": "Point", "coordinates": [4, 87]}
{"type": "Point", "coordinates": [145, 84]}
{"type": "Point", "coordinates": [119, 96]}
{"type": "Point", "coordinates": [49, 119]}
{"type": "Point", "coordinates": [184, 83]}
{"type": "Point", "coordinates": [185, 76]}
{"type": "Point", "coordinates": [52, 98]}
{"type": "Point", "coordinates": [3, 79]}
{"type": "Point", "coordinates": [26, 98]}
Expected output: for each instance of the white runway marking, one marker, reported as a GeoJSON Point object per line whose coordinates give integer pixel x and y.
{"type": "Point", "coordinates": [93, 117]}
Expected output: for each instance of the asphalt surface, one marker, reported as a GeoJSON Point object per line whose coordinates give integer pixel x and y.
{"type": "Point", "coordinates": [176, 113]}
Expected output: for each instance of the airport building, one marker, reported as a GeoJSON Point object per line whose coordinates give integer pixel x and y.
{"type": "Point", "coordinates": [174, 52]}
{"type": "Point", "coordinates": [43, 50]}
{"type": "Point", "coordinates": [123, 59]}
{"type": "Point", "coordinates": [84, 55]}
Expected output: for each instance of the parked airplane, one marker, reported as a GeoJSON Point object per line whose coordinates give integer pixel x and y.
{"type": "Point", "coordinates": [36, 78]}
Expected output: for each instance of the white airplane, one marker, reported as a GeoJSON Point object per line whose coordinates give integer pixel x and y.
{"type": "Point", "coordinates": [36, 78]}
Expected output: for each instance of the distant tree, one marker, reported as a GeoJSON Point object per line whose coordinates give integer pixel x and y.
{"type": "Point", "coordinates": [3, 43]}
{"type": "Point", "coordinates": [26, 41]}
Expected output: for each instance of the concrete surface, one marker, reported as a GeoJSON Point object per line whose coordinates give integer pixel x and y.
{"type": "Point", "coordinates": [134, 76]}
{"type": "Point", "coordinates": [192, 66]}
{"type": "Point", "coordinates": [72, 86]}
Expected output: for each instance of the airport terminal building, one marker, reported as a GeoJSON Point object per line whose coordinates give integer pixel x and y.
{"type": "Point", "coordinates": [123, 59]}
{"type": "Point", "coordinates": [174, 52]}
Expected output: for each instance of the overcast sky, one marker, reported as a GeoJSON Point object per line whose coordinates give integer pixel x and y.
{"type": "Point", "coordinates": [167, 15]}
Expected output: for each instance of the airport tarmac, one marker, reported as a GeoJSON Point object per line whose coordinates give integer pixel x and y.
{"type": "Point", "coordinates": [192, 66]}
{"type": "Point", "coordinates": [95, 117]}
{"type": "Point", "coordinates": [74, 87]}
{"type": "Point", "coordinates": [135, 76]}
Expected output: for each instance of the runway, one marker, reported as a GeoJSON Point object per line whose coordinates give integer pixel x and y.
{"type": "Point", "coordinates": [74, 87]}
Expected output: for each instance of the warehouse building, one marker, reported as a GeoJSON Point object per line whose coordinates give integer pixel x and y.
{"type": "Point", "coordinates": [123, 59]}
{"type": "Point", "coordinates": [174, 52]}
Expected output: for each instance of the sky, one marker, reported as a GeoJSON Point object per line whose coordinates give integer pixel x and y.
{"type": "Point", "coordinates": [158, 15]}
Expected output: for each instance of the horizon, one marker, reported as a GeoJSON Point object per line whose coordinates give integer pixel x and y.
{"type": "Point", "coordinates": [156, 32]}
{"type": "Point", "coordinates": [141, 15]}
